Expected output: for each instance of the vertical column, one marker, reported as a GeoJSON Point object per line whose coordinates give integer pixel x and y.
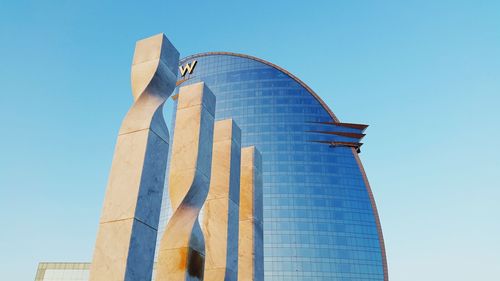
{"type": "Point", "coordinates": [181, 255]}
{"type": "Point", "coordinates": [221, 210]}
{"type": "Point", "coordinates": [126, 239]}
{"type": "Point", "coordinates": [251, 248]}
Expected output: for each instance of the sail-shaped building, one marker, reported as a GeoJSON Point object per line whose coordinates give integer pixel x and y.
{"type": "Point", "coordinates": [320, 220]}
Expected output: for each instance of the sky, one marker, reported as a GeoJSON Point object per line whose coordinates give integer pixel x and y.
{"type": "Point", "coordinates": [425, 75]}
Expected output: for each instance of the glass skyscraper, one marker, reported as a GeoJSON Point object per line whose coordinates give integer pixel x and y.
{"type": "Point", "coordinates": [320, 218]}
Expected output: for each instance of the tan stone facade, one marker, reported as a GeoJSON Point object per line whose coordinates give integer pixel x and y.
{"type": "Point", "coordinates": [220, 217]}
{"type": "Point", "coordinates": [209, 175]}
{"type": "Point", "coordinates": [250, 246]}
{"type": "Point", "coordinates": [125, 243]}
{"type": "Point", "coordinates": [182, 250]}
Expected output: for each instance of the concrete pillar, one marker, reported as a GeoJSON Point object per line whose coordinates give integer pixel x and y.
{"type": "Point", "coordinates": [221, 210]}
{"type": "Point", "coordinates": [251, 247]}
{"type": "Point", "coordinates": [126, 239]}
{"type": "Point", "coordinates": [181, 253]}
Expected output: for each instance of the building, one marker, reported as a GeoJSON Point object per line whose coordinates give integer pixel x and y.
{"type": "Point", "coordinates": [320, 217]}
{"type": "Point", "coordinates": [59, 271]}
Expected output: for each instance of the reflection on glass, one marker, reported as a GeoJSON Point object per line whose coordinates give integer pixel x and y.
{"type": "Point", "coordinates": [318, 219]}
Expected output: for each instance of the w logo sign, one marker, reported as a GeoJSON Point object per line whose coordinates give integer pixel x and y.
{"type": "Point", "coordinates": [188, 68]}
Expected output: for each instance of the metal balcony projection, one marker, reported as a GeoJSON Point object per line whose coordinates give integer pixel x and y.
{"type": "Point", "coordinates": [337, 134]}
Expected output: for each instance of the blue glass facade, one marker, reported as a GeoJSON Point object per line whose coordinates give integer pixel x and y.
{"type": "Point", "coordinates": [320, 220]}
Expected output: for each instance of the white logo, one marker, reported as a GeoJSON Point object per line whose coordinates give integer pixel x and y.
{"type": "Point", "coordinates": [188, 68]}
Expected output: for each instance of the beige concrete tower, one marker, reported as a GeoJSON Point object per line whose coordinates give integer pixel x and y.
{"type": "Point", "coordinates": [221, 210]}
{"type": "Point", "coordinates": [251, 248]}
{"type": "Point", "coordinates": [126, 239]}
{"type": "Point", "coordinates": [181, 253]}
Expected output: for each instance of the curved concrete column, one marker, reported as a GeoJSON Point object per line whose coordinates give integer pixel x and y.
{"type": "Point", "coordinates": [251, 247]}
{"type": "Point", "coordinates": [181, 253]}
{"type": "Point", "coordinates": [126, 239]}
{"type": "Point", "coordinates": [221, 210]}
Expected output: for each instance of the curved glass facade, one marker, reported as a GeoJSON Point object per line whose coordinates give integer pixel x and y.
{"type": "Point", "coordinates": [320, 221]}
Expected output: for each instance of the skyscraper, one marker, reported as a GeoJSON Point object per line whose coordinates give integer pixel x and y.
{"type": "Point", "coordinates": [320, 218]}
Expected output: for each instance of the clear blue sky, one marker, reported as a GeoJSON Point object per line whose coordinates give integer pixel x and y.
{"type": "Point", "coordinates": [424, 74]}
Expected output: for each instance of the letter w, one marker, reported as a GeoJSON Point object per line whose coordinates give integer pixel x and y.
{"type": "Point", "coordinates": [187, 68]}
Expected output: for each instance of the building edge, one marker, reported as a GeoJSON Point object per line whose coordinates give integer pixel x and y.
{"type": "Point", "coordinates": [375, 213]}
